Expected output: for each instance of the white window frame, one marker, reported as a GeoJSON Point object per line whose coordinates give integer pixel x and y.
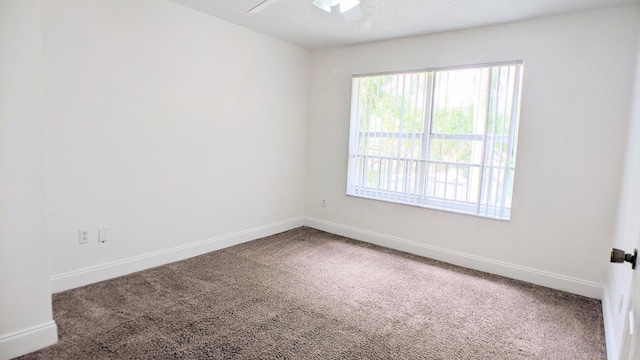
{"type": "Point", "coordinates": [476, 207]}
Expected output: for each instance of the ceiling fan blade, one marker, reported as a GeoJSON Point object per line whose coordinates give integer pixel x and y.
{"type": "Point", "coordinates": [353, 15]}
{"type": "Point", "coordinates": [263, 5]}
{"type": "Point", "coordinates": [346, 5]}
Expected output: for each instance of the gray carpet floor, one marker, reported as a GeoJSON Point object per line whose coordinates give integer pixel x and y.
{"type": "Point", "coordinates": [307, 294]}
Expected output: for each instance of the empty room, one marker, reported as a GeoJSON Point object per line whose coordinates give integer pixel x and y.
{"type": "Point", "coordinates": [319, 179]}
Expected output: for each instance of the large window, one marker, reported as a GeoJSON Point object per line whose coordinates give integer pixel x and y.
{"type": "Point", "coordinates": [443, 139]}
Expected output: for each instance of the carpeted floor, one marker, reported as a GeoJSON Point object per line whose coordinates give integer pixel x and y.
{"type": "Point", "coordinates": [306, 294]}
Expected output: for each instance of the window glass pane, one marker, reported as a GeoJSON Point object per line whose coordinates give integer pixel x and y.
{"type": "Point", "coordinates": [459, 98]}
{"type": "Point", "coordinates": [458, 151]}
{"type": "Point", "coordinates": [466, 160]}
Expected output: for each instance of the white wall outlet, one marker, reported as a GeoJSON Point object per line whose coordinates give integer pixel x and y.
{"type": "Point", "coordinates": [83, 236]}
{"type": "Point", "coordinates": [323, 203]}
{"type": "Point", "coordinates": [103, 234]}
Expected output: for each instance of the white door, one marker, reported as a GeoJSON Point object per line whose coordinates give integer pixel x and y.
{"type": "Point", "coordinates": [631, 342]}
{"type": "Point", "coordinates": [634, 347]}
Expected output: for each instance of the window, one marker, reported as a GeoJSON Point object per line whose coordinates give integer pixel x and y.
{"type": "Point", "coordinates": [443, 139]}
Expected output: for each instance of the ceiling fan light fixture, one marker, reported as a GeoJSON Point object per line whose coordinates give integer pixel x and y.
{"type": "Point", "coordinates": [346, 5]}
{"type": "Point", "coordinates": [325, 5]}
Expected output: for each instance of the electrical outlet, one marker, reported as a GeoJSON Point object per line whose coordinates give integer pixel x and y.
{"type": "Point", "coordinates": [83, 236]}
{"type": "Point", "coordinates": [324, 203]}
{"type": "Point", "coordinates": [103, 234]}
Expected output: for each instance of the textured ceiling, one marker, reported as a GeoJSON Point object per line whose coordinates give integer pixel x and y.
{"type": "Point", "coordinates": [301, 23]}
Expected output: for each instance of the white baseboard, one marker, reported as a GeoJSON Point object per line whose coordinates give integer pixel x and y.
{"type": "Point", "coordinates": [612, 344]}
{"type": "Point", "coordinates": [86, 276]}
{"type": "Point", "coordinates": [28, 340]}
{"type": "Point", "coordinates": [513, 271]}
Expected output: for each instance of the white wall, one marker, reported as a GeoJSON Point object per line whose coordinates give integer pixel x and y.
{"type": "Point", "coordinates": [578, 74]}
{"type": "Point", "coordinates": [169, 126]}
{"type": "Point", "coordinates": [627, 231]}
{"type": "Point", "coordinates": [25, 292]}
{"type": "Point", "coordinates": [172, 127]}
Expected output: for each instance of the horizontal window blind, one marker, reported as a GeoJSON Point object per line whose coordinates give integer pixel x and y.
{"type": "Point", "coordinates": [443, 139]}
